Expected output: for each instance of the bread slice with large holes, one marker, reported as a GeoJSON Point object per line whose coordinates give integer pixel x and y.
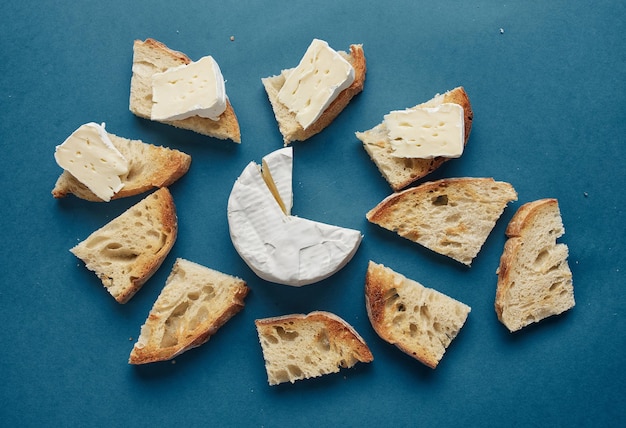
{"type": "Point", "coordinates": [150, 57]}
{"type": "Point", "coordinates": [534, 278]}
{"type": "Point", "coordinates": [452, 216]}
{"type": "Point", "coordinates": [195, 302]}
{"type": "Point", "coordinates": [420, 321]}
{"type": "Point", "coordinates": [149, 167]}
{"type": "Point", "coordinates": [302, 346]}
{"type": "Point", "coordinates": [400, 172]}
{"type": "Point", "coordinates": [129, 249]}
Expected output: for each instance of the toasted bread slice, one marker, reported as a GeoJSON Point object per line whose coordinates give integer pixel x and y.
{"type": "Point", "coordinates": [129, 249]}
{"type": "Point", "coordinates": [420, 321]}
{"type": "Point", "coordinates": [301, 346]}
{"type": "Point", "coordinates": [150, 57]}
{"type": "Point", "coordinates": [400, 172]}
{"type": "Point", "coordinates": [452, 217]}
{"type": "Point", "coordinates": [287, 123]}
{"type": "Point", "coordinates": [195, 302]}
{"type": "Point", "coordinates": [150, 166]}
{"type": "Point", "coordinates": [534, 278]}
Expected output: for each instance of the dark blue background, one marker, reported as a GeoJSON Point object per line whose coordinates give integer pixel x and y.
{"type": "Point", "coordinates": [547, 81]}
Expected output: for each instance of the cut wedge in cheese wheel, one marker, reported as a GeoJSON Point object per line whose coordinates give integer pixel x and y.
{"type": "Point", "coordinates": [277, 246]}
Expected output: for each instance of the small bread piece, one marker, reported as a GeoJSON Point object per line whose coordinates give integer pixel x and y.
{"type": "Point", "coordinates": [400, 172]}
{"type": "Point", "coordinates": [452, 216]}
{"type": "Point", "coordinates": [129, 249]}
{"type": "Point", "coordinates": [534, 278]}
{"type": "Point", "coordinates": [287, 123]}
{"type": "Point", "coordinates": [150, 57]}
{"type": "Point", "coordinates": [195, 302]}
{"type": "Point", "coordinates": [304, 346]}
{"type": "Point", "coordinates": [420, 321]}
{"type": "Point", "coordinates": [150, 166]}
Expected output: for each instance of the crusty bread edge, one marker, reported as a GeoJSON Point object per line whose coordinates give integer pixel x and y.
{"type": "Point", "coordinates": [358, 62]}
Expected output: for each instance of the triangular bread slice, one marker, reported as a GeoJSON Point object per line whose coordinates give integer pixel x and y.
{"type": "Point", "coordinates": [150, 166]}
{"type": "Point", "coordinates": [195, 302]}
{"type": "Point", "coordinates": [150, 57]}
{"type": "Point", "coordinates": [452, 216]}
{"type": "Point", "coordinates": [400, 172]}
{"type": "Point", "coordinates": [302, 346]}
{"type": "Point", "coordinates": [129, 249]}
{"type": "Point", "coordinates": [289, 127]}
{"type": "Point", "coordinates": [534, 278]}
{"type": "Point", "coordinates": [420, 321]}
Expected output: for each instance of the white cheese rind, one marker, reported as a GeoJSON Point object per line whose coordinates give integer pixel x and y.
{"type": "Point", "coordinates": [315, 83]}
{"type": "Point", "coordinates": [90, 156]}
{"type": "Point", "coordinates": [194, 89]}
{"type": "Point", "coordinates": [281, 248]}
{"type": "Point", "coordinates": [277, 167]}
{"type": "Point", "coordinates": [427, 132]}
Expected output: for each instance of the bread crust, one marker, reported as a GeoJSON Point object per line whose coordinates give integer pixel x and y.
{"type": "Point", "coordinates": [123, 281]}
{"type": "Point", "coordinates": [201, 333]}
{"type": "Point", "coordinates": [400, 172]}
{"type": "Point", "coordinates": [289, 126]}
{"type": "Point", "coordinates": [516, 249]}
{"type": "Point", "coordinates": [381, 284]}
{"type": "Point", "coordinates": [151, 56]}
{"type": "Point", "coordinates": [149, 167]}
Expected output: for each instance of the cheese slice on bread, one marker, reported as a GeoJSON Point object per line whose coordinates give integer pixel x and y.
{"type": "Point", "coordinates": [420, 321]}
{"type": "Point", "coordinates": [452, 216]}
{"type": "Point", "coordinates": [534, 278]}
{"type": "Point", "coordinates": [151, 57]}
{"type": "Point", "coordinates": [288, 124]}
{"type": "Point", "coordinates": [400, 172]}
{"type": "Point", "coordinates": [195, 302]}
{"type": "Point", "coordinates": [301, 346]}
{"type": "Point", "coordinates": [149, 167]}
{"type": "Point", "coordinates": [129, 249]}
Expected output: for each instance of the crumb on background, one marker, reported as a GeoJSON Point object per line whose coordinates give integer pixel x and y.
{"type": "Point", "coordinates": [232, 38]}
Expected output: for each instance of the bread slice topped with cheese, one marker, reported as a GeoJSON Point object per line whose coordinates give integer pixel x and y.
{"type": "Point", "coordinates": [410, 144]}
{"type": "Point", "coordinates": [129, 249]}
{"type": "Point", "coordinates": [452, 216]}
{"type": "Point", "coordinates": [420, 321]}
{"type": "Point", "coordinates": [195, 302]}
{"type": "Point", "coordinates": [307, 98]}
{"type": "Point", "coordinates": [143, 166]}
{"type": "Point", "coordinates": [534, 278]}
{"type": "Point", "coordinates": [299, 346]}
{"type": "Point", "coordinates": [168, 87]}
{"type": "Point", "coordinates": [278, 246]}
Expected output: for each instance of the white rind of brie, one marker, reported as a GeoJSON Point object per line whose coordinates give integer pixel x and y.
{"type": "Point", "coordinates": [90, 156]}
{"type": "Point", "coordinates": [279, 247]}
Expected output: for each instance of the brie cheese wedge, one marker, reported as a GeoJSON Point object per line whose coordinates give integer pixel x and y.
{"type": "Point", "coordinates": [277, 246]}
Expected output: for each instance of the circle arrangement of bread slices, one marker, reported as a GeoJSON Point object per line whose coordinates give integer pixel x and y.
{"type": "Point", "coordinates": [452, 217]}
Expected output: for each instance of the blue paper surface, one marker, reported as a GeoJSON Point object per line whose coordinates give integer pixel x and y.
{"type": "Point", "coordinates": [547, 82]}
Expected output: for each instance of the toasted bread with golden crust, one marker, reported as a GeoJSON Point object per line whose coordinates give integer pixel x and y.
{"type": "Point", "coordinates": [195, 302]}
{"type": "Point", "coordinates": [150, 57]}
{"type": "Point", "coordinates": [534, 278]}
{"type": "Point", "coordinates": [129, 249]}
{"type": "Point", "coordinates": [400, 172]}
{"type": "Point", "coordinates": [420, 321]}
{"type": "Point", "coordinates": [287, 123]}
{"type": "Point", "coordinates": [452, 216]}
{"type": "Point", "coordinates": [304, 346]}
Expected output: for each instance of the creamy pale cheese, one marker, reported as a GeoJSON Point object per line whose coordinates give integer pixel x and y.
{"type": "Point", "coordinates": [278, 247]}
{"type": "Point", "coordinates": [316, 82]}
{"type": "Point", "coordinates": [90, 156]}
{"type": "Point", "coordinates": [277, 167]}
{"type": "Point", "coordinates": [194, 89]}
{"type": "Point", "coordinates": [427, 132]}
